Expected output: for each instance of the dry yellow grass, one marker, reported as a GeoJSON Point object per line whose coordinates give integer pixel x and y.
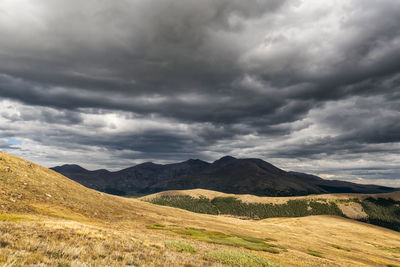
{"type": "Point", "coordinates": [47, 218]}
{"type": "Point", "coordinates": [353, 210]}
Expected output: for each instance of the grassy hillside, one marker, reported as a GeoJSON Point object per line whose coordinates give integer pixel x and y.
{"type": "Point", "coordinates": [375, 209]}
{"type": "Point", "coordinates": [48, 220]}
{"type": "Point", "coordinates": [234, 206]}
{"type": "Point", "coordinates": [383, 212]}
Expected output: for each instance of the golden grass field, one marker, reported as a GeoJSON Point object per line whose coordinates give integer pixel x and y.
{"type": "Point", "coordinates": [49, 220]}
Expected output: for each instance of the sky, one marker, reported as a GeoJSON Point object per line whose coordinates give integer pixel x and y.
{"type": "Point", "coordinates": [310, 86]}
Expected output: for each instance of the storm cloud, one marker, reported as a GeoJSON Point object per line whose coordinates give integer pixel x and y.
{"type": "Point", "coordinates": [308, 85]}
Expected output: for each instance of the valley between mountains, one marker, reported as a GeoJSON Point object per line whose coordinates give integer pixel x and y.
{"type": "Point", "coordinates": [47, 219]}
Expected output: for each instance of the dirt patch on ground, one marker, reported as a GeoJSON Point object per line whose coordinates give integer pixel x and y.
{"type": "Point", "coordinates": [353, 210]}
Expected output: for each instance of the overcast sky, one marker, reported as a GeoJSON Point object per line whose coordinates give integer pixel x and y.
{"type": "Point", "coordinates": [310, 86]}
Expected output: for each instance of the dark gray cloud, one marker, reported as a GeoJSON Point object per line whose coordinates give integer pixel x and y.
{"type": "Point", "coordinates": [129, 81]}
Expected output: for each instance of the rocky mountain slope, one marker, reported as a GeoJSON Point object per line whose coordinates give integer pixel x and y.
{"type": "Point", "coordinates": [228, 174]}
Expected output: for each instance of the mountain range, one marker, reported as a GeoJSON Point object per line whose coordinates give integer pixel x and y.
{"type": "Point", "coordinates": [228, 175]}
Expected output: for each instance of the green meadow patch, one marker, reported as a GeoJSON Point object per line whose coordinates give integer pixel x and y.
{"type": "Point", "coordinates": [180, 246]}
{"type": "Point", "coordinates": [248, 242]}
{"type": "Point", "coordinates": [11, 218]}
{"type": "Point", "coordinates": [238, 258]}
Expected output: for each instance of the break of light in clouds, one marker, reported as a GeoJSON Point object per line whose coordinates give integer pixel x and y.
{"type": "Point", "coordinates": [310, 86]}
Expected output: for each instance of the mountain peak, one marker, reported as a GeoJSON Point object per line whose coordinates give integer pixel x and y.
{"type": "Point", "coordinates": [226, 159]}
{"type": "Point", "coordinates": [69, 168]}
{"type": "Point", "coordinates": [147, 163]}
{"type": "Point", "coordinates": [195, 161]}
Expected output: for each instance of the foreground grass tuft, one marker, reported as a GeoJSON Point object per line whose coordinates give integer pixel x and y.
{"type": "Point", "coordinates": [238, 258]}
{"type": "Point", "coordinates": [156, 226]}
{"type": "Point", "coordinates": [315, 253]}
{"type": "Point", "coordinates": [11, 218]}
{"type": "Point", "coordinates": [63, 264]}
{"type": "Point", "coordinates": [180, 246]}
{"type": "Point", "coordinates": [390, 249]}
{"type": "Point", "coordinates": [4, 244]}
{"type": "Point", "coordinates": [56, 244]}
{"type": "Point", "coordinates": [340, 248]}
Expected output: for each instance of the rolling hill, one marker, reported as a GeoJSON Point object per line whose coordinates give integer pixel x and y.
{"type": "Point", "coordinates": [228, 175]}
{"type": "Point", "coordinates": [48, 219]}
{"type": "Point", "coordinates": [378, 209]}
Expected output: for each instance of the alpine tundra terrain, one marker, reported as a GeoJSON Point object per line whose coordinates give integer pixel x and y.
{"type": "Point", "coordinates": [47, 219]}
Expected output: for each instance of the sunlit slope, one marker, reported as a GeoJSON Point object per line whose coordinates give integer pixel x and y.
{"type": "Point", "coordinates": [47, 218]}
{"type": "Point", "coordinates": [378, 209]}
{"type": "Point", "coordinates": [27, 187]}
{"type": "Point", "coordinates": [257, 199]}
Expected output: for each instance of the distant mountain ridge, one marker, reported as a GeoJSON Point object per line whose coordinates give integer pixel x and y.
{"type": "Point", "coordinates": [227, 174]}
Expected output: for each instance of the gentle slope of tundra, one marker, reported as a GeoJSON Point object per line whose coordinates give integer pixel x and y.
{"type": "Point", "coordinates": [47, 218]}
